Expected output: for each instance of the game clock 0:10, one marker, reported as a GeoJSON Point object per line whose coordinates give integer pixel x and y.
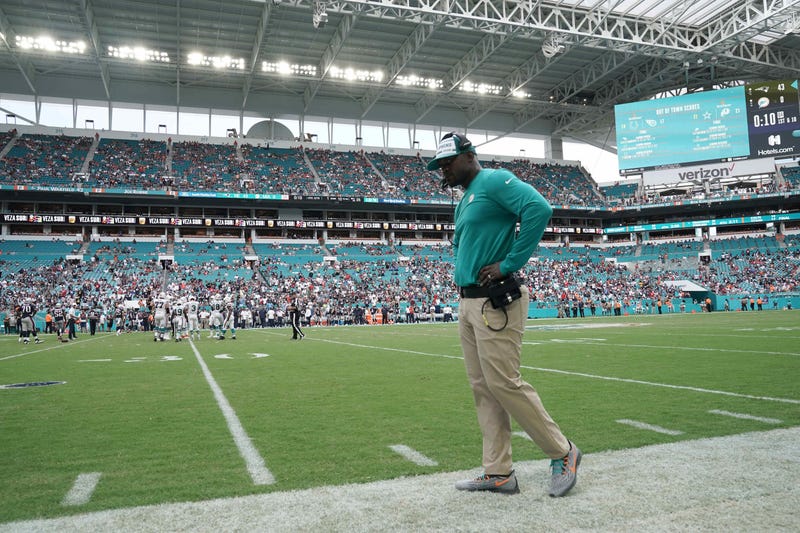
{"type": "Point", "coordinates": [773, 112]}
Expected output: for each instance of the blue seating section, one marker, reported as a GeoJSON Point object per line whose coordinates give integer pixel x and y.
{"type": "Point", "coordinates": [364, 252]}
{"type": "Point", "coordinates": [344, 173]}
{"type": "Point", "coordinates": [559, 184]}
{"type": "Point", "coordinates": [148, 165]}
{"type": "Point", "coordinates": [44, 160]}
{"type": "Point", "coordinates": [277, 171]}
{"type": "Point", "coordinates": [286, 259]}
{"type": "Point", "coordinates": [792, 176]}
{"type": "Point", "coordinates": [16, 255]}
{"type": "Point", "coordinates": [407, 177]}
{"type": "Point", "coordinates": [739, 245]}
{"type": "Point", "coordinates": [619, 192]}
{"type": "Point", "coordinates": [792, 242]}
{"type": "Point", "coordinates": [5, 137]}
{"type": "Point", "coordinates": [141, 250]}
{"type": "Point", "coordinates": [210, 261]}
{"type": "Point", "coordinates": [205, 167]}
{"type": "Point", "coordinates": [671, 250]}
{"type": "Point", "coordinates": [129, 163]}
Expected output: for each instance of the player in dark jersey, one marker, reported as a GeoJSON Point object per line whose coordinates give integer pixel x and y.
{"type": "Point", "coordinates": [119, 319]}
{"type": "Point", "coordinates": [59, 319]}
{"type": "Point", "coordinates": [27, 327]}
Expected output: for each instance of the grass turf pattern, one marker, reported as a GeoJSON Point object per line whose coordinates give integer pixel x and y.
{"type": "Point", "coordinates": [324, 411]}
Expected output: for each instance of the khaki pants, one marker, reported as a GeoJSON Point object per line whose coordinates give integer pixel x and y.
{"type": "Point", "coordinates": [492, 360]}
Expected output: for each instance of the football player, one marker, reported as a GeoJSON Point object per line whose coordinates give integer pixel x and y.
{"type": "Point", "coordinates": [161, 307]}
{"type": "Point", "coordinates": [192, 317]}
{"type": "Point", "coordinates": [215, 325]}
{"type": "Point", "coordinates": [26, 312]}
{"type": "Point", "coordinates": [178, 320]}
{"type": "Point", "coordinates": [59, 319]}
{"type": "Point", "coordinates": [228, 320]}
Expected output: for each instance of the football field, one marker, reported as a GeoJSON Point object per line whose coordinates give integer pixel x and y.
{"type": "Point", "coordinates": [131, 422]}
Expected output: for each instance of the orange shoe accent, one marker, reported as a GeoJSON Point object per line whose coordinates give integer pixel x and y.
{"type": "Point", "coordinates": [502, 482]}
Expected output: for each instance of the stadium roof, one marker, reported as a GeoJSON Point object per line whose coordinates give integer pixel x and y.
{"type": "Point", "coordinates": [552, 67]}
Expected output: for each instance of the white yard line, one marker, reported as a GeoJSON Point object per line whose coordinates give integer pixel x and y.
{"type": "Point", "coordinates": [57, 344]}
{"type": "Point", "coordinates": [578, 374]}
{"type": "Point", "coordinates": [665, 385]}
{"type": "Point", "coordinates": [726, 336]}
{"type": "Point", "coordinates": [255, 463]}
{"type": "Point", "coordinates": [412, 455]}
{"type": "Point", "coordinates": [649, 427]}
{"type": "Point", "coordinates": [744, 416]}
{"type": "Point", "coordinates": [388, 349]}
{"type": "Point", "coordinates": [82, 490]}
{"type": "Point", "coordinates": [675, 348]}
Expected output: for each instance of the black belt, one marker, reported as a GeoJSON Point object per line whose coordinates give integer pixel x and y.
{"type": "Point", "coordinates": [473, 291]}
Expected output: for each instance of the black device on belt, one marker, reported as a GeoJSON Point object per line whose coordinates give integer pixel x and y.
{"type": "Point", "coordinates": [473, 291]}
{"type": "Point", "coordinates": [500, 292]}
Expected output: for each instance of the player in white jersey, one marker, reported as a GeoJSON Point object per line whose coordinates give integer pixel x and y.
{"type": "Point", "coordinates": [191, 315]}
{"type": "Point", "coordinates": [160, 317]}
{"type": "Point", "coordinates": [228, 321]}
{"type": "Point", "coordinates": [178, 320]}
{"type": "Point", "coordinates": [215, 325]}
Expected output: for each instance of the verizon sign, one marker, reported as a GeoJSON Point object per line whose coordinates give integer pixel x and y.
{"type": "Point", "coordinates": [709, 172]}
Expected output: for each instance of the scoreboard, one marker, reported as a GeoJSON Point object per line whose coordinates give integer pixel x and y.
{"type": "Point", "coordinates": [758, 120]}
{"type": "Point", "coordinates": [772, 114]}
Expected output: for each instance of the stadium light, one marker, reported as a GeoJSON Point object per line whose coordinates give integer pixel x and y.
{"type": "Point", "coordinates": [351, 74]}
{"type": "Point", "coordinates": [49, 44]}
{"type": "Point", "coordinates": [481, 88]}
{"type": "Point", "coordinates": [218, 62]}
{"type": "Point", "coordinates": [412, 80]}
{"type": "Point", "coordinates": [139, 53]}
{"type": "Point", "coordinates": [285, 68]}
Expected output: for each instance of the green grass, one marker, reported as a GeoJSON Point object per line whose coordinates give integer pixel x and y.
{"type": "Point", "coordinates": [324, 411]}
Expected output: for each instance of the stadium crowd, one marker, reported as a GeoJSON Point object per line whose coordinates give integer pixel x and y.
{"type": "Point", "coordinates": [157, 165]}
{"type": "Point", "coordinates": [368, 280]}
{"type": "Point", "coordinates": [43, 159]}
{"type": "Point", "coordinates": [130, 164]}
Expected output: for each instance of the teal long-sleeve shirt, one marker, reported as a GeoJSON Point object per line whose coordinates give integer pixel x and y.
{"type": "Point", "coordinates": [485, 224]}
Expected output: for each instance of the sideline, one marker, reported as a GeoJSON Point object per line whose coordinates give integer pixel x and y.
{"type": "Point", "coordinates": [54, 346]}
{"type": "Point", "coordinates": [745, 482]}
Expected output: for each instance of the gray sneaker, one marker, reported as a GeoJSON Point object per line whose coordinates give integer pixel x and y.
{"type": "Point", "coordinates": [565, 472]}
{"type": "Point", "coordinates": [503, 484]}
